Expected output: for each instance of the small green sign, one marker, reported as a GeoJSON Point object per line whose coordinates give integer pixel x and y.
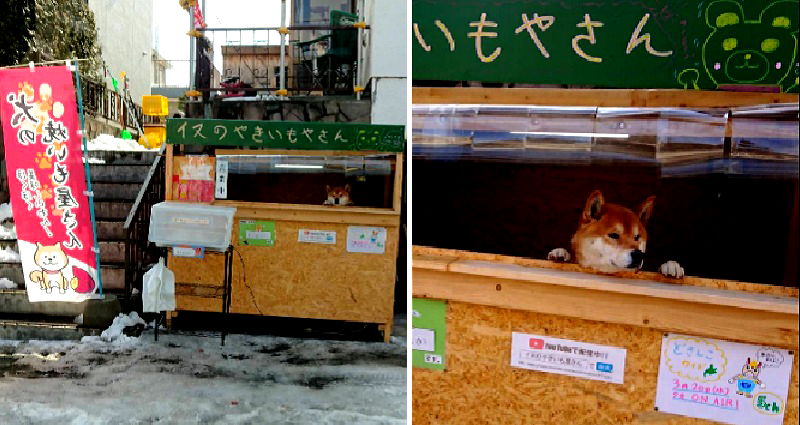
{"type": "Point", "coordinates": [256, 233]}
{"type": "Point", "coordinates": [286, 134]}
{"type": "Point", "coordinates": [428, 333]}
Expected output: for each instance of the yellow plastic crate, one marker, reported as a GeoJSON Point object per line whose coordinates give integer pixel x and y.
{"type": "Point", "coordinates": [155, 105]}
{"type": "Point", "coordinates": [153, 137]}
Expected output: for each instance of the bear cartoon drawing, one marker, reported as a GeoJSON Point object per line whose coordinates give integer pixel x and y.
{"type": "Point", "coordinates": [740, 52]}
{"type": "Point", "coordinates": [52, 260]}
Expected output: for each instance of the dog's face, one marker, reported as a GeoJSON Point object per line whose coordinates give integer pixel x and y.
{"type": "Point", "coordinates": [611, 237]}
{"type": "Point", "coordinates": [338, 195]}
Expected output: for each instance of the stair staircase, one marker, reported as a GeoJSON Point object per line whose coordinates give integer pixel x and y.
{"type": "Point", "coordinates": [117, 178]}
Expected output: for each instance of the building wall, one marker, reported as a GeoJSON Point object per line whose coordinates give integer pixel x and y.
{"type": "Point", "coordinates": [125, 32]}
{"type": "Point", "coordinates": [255, 64]}
{"type": "Point", "coordinates": [385, 60]}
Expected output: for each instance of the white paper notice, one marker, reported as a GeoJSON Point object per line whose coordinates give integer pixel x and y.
{"type": "Point", "coordinates": [729, 382]}
{"type": "Point", "coordinates": [423, 339]}
{"type": "Point", "coordinates": [324, 237]}
{"type": "Point", "coordinates": [567, 357]}
{"type": "Point", "coordinates": [366, 239]}
{"type": "Point", "coordinates": [221, 179]}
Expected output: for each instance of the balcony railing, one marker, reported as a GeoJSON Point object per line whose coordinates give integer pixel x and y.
{"type": "Point", "coordinates": [99, 101]}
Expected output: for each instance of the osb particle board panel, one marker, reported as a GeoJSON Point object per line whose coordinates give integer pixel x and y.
{"type": "Point", "coordinates": [480, 387]}
{"type": "Point", "coordinates": [758, 288]}
{"type": "Point", "coordinates": [295, 279]}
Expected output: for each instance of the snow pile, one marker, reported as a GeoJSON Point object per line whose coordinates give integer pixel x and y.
{"type": "Point", "coordinates": [5, 211]}
{"type": "Point", "coordinates": [7, 233]}
{"type": "Point", "coordinates": [5, 283]}
{"type": "Point", "coordinates": [114, 332]}
{"type": "Point", "coordinates": [106, 142]}
{"type": "Point", "coordinates": [8, 255]}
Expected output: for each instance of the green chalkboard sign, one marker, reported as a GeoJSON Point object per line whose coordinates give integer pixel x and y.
{"type": "Point", "coordinates": [711, 44]}
{"type": "Point", "coordinates": [287, 135]}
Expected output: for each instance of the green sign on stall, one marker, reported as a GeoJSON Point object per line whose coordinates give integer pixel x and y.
{"type": "Point", "coordinates": [286, 134]}
{"type": "Point", "coordinates": [428, 333]}
{"type": "Point", "coordinates": [692, 44]}
{"type": "Point", "coordinates": [256, 233]}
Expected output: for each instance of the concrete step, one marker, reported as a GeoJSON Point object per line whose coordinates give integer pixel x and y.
{"type": "Point", "coordinates": [14, 305]}
{"type": "Point", "coordinates": [109, 210]}
{"type": "Point", "coordinates": [15, 301]}
{"type": "Point", "coordinates": [111, 252]}
{"type": "Point", "coordinates": [115, 191]}
{"type": "Point", "coordinates": [118, 173]}
{"type": "Point", "coordinates": [113, 275]}
{"type": "Point", "coordinates": [110, 230]}
{"type": "Point", "coordinates": [46, 330]}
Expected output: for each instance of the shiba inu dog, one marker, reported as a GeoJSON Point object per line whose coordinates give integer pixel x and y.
{"type": "Point", "coordinates": [611, 238]}
{"type": "Point", "coordinates": [338, 195]}
{"type": "Point", "coordinates": [52, 260]}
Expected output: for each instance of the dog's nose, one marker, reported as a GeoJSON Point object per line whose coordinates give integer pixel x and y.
{"type": "Point", "coordinates": [637, 257]}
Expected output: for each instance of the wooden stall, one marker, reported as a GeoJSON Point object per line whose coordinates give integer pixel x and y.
{"type": "Point", "coordinates": [305, 265]}
{"type": "Point", "coordinates": [489, 297]}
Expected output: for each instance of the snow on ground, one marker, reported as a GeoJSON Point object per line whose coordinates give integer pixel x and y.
{"type": "Point", "coordinates": [8, 232]}
{"type": "Point", "coordinates": [5, 283]}
{"type": "Point", "coordinates": [5, 211]}
{"type": "Point", "coordinates": [106, 142]}
{"type": "Point", "coordinates": [188, 378]}
{"type": "Point", "coordinates": [8, 255]}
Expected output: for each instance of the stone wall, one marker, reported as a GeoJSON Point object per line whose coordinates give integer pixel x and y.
{"type": "Point", "coordinates": [319, 109]}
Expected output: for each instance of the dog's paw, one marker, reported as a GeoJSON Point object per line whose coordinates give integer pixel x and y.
{"type": "Point", "coordinates": [560, 255]}
{"type": "Point", "coordinates": [672, 269]}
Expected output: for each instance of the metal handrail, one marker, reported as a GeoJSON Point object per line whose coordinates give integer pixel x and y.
{"type": "Point", "coordinates": [138, 252]}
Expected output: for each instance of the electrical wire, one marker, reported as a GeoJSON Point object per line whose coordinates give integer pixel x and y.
{"type": "Point", "coordinates": [244, 280]}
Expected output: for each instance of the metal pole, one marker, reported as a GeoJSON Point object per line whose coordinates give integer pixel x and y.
{"type": "Point", "coordinates": [360, 55]}
{"type": "Point", "coordinates": [87, 171]}
{"type": "Point", "coordinates": [191, 49]}
{"type": "Point", "coordinates": [282, 90]}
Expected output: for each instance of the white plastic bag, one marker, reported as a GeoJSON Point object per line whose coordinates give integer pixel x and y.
{"type": "Point", "coordinates": [158, 289]}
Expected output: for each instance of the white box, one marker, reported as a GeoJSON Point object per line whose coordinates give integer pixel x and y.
{"type": "Point", "coordinates": [176, 223]}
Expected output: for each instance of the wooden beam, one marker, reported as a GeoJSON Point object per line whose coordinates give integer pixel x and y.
{"type": "Point", "coordinates": [397, 189]}
{"type": "Point", "coordinates": [595, 97]}
{"type": "Point", "coordinates": [316, 213]}
{"type": "Point", "coordinates": [715, 313]}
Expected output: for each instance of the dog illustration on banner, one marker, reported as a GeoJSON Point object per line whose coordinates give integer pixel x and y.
{"type": "Point", "coordinates": [52, 261]}
{"type": "Point", "coordinates": [747, 380]}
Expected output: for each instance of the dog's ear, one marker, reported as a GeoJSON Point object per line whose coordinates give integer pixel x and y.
{"type": "Point", "coordinates": [594, 207]}
{"type": "Point", "coordinates": [328, 188]}
{"type": "Point", "coordinates": [646, 209]}
{"type": "Point", "coordinates": [347, 188]}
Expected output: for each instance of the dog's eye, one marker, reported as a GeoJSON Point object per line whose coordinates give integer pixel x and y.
{"type": "Point", "coordinates": [636, 238]}
{"type": "Point", "coordinates": [613, 235]}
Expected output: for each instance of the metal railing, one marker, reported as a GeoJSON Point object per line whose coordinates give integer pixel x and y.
{"type": "Point", "coordinates": [99, 101]}
{"type": "Point", "coordinates": [138, 251]}
{"type": "Point", "coordinates": [316, 58]}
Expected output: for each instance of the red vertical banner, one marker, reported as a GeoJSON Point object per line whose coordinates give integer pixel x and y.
{"type": "Point", "coordinates": [47, 183]}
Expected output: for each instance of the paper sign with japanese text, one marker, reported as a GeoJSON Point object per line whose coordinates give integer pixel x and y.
{"type": "Point", "coordinates": [47, 183]}
{"type": "Point", "coordinates": [567, 357]}
{"type": "Point", "coordinates": [370, 240]}
{"type": "Point", "coordinates": [723, 381]}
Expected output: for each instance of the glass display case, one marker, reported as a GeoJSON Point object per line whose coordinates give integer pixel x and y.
{"type": "Point", "coordinates": [515, 180]}
{"type": "Point", "coordinates": [302, 179]}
